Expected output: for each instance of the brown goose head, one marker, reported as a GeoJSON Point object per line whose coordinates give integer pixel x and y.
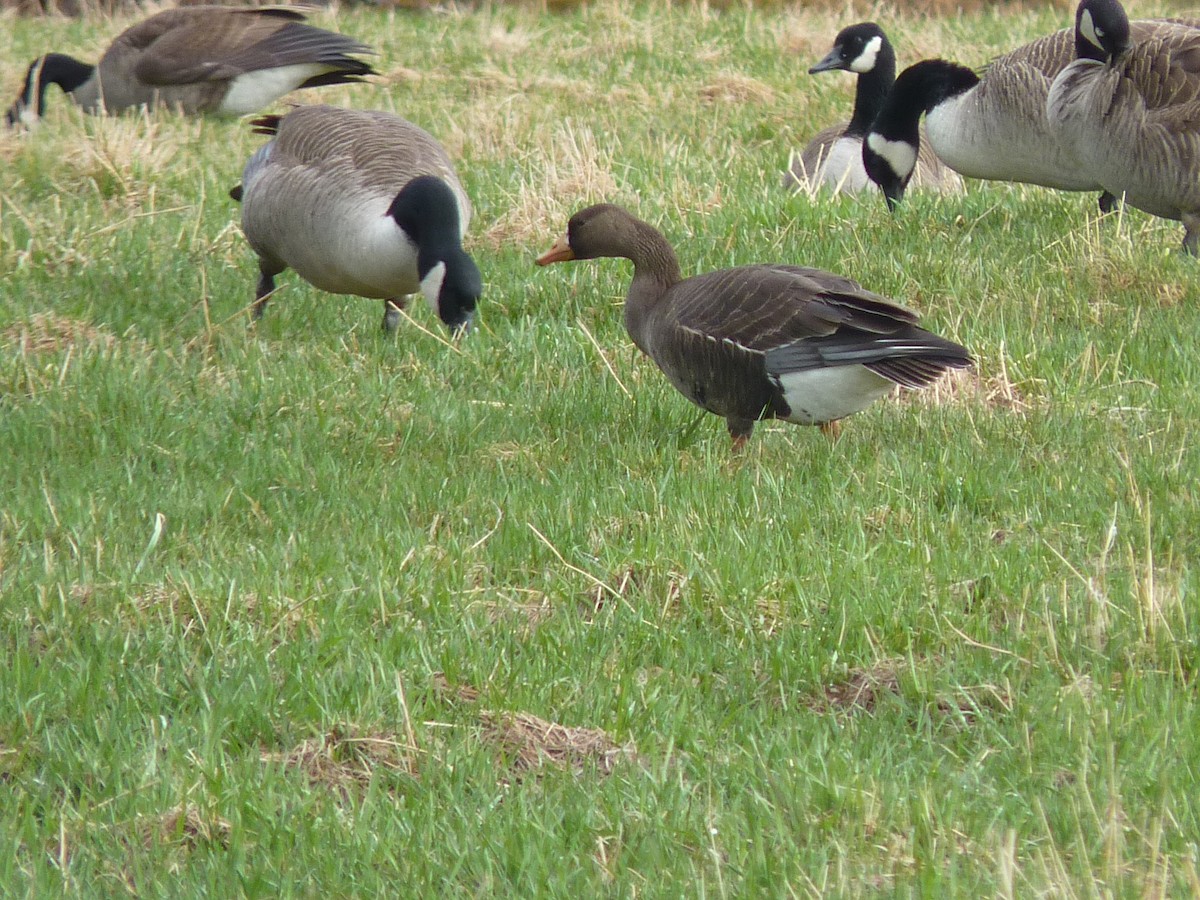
{"type": "Point", "coordinates": [605, 230]}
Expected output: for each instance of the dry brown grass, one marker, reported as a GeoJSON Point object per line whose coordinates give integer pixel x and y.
{"type": "Point", "coordinates": [996, 390]}
{"type": "Point", "coordinates": [187, 826]}
{"type": "Point", "coordinates": [51, 333]}
{"type": "Point", "coordinates": [527, 743]}
{"type": "Point", "coordinates": [344, 759]}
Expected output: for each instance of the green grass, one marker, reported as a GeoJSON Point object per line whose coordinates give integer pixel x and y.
{"type": "Point", "coordinates": [953, 653]}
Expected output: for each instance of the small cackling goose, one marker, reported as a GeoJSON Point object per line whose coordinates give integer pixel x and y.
{"type": "Point", "coordinates": [760, 341]}
{"type": "Point", "coordinates": [361, 203]}
{"type": "Point", "coordinates": [199, 59]}
{"type": "Point", "coordinates": [833, 159]}
{"type": "Point", "coordinates": [992, 126]}
{"type": "Point", "coordinates": [1129, 107]}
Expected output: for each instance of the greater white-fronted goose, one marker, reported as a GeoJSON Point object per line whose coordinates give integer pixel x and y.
{"type": "Point", "coordinates": [834, 159]}
{"type": "Point", "coordinates": [199, 59]}
{"type": "Point", "coordinates": [362, 203]}
{"type": "Point", "coordinates": [1129, 107]}
{"type": "Point", "coordinates": [992, 126]}
{"type": "Point", "coordinates": [760, 341]}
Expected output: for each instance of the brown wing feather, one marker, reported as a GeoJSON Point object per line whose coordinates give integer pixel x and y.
{"type": "Point", "coordinates": [761, 307]}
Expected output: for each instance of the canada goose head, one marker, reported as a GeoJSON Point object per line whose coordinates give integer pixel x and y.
{"type": "Point", "coordinates": [1101, 30]}
{"type": "Point", "coordinates": [857, 48]}
{"type": "Point", "coordinates": [891, 146]}
{"type": "Point", "coordinates": [427, 211]}
{"type": "Point", "coordinates": [53, 68]}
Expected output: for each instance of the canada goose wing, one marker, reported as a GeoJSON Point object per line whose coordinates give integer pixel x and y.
{"type": "Point", "coordinates": [1166, 73]}
{"type": "Point", "coordinates": [376, 152]}
{"type": "Point", "coordinates": [224, 43]}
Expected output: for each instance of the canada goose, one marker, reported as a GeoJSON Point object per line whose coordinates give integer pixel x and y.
{"type": "Point", "coordinates": [200, 59]}
{"type": "Point", "coordinates": [361, 203]}
{"type": "Point", "coordinates": [759, 341]}
{"type": "Point", "coordinates": [992, 126]}
{"type": "Point", "coordinates": [1128, 108]}
{"type": "Point", "coordinates": [833, 158]}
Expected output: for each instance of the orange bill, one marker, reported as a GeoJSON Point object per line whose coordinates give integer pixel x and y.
{"type": "Point", "coordinates": [560, 252]}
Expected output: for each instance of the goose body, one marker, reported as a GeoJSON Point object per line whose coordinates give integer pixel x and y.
{"type": "Point", "coordinates": [362, 203]}
{"type": "Point", "coordinates": [833, 159]}
{"type": "Point", "coordinates": [991, 126]}
{"type": "Point", "coordinates": [760, 341]}
{"type": "Point", "coordinates": [199, 59]}
{"type": "Point", "coordinates": [1130, 109]}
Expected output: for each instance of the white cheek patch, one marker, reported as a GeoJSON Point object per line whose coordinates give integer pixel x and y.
{"type": "Point", "coordinates": [1088, 29]}
{"type": "Point", "coordinates": [865, 61]}
{"type": "Point", "coordinates": [900, 155]}
{"type": "Point", "coordinates": [431, 285]}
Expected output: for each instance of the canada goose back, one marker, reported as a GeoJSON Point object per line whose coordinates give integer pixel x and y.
{"type": "Point", "coordinates": [991, 125]}
{"type": "Point", "coordinates": [329, 197]}
{"type": "Point", "coordinates": [203, 59]}
{"type": "Point", "coordinates": [1130, 108]}
{"type": "Point", "coordinates": [759, 341]}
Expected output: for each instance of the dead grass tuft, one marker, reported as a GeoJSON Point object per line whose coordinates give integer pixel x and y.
{"type": "Point", "coordinates": [528, 743]}
{"type": "Point", "coordinates": [732, 87]}
{"type": "Point", "coordinates": [860, 689]}
{"type": "Point", "coordinates": [342, 760]}
{"type": "Point", "coordinates": [573, 171]}
{"type": "Point", "coordinates": [968, 387]}
{"type": "Point", "coordinates": [49, 332]}
{"type": "Point", "coordinates": [188, 827]}
{"type": "Point", "coordinates": [459, 693]}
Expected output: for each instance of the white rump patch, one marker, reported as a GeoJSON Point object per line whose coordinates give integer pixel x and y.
{"type": "Point", "coordinates": [865, 61]}
{"type": "Point", "coordinates": [900, 155]}
{"type": "Point", "coordinates": [431, 285]}
{"type": "Point", "coordinates": [824, 395]}
{"type": "Point", "coordinates": [1088, 29]}
{"type": "Point", "coordinates": [251, 92]}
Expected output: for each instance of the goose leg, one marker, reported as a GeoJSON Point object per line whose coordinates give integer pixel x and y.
{"type": "Point", "coordinates": [1108, 202]}
{"type": "Point", "coordinates": [831, 430]}
{"type": "Point", "coordinates": [262, 293]}
{"type": "Point", "coordinates": [1191, 234]}
{"type": "Point", "coordinates": [739, 430]}
{"type": "Point", "coordinates": [391, 314]}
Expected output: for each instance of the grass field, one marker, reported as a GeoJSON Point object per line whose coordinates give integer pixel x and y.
{"type": "Point", "coordinates": [299, 609]}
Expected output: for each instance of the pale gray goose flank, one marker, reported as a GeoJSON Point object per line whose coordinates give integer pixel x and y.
{"type": "Point", "coordinates": [833, 159]}
{"type": "Point", "coordinates": [1129, 106]}
{"type": "Point", "coordinates": [991, 126]}
{"type": "Point", "coordinates": [760, 341]}
{"type": "Point", "coordinates": [363, 203]}
{"type": "Point", "coordinates": [198, 59]}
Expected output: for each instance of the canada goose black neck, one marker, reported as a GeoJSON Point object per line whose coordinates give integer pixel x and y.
{"type": "Point", "coordinates": [1101, 30]}
{"type": "Point", "coordinates": [53, 68]}
{"type": "Point", "coordinates": [890, 149]}
{"type": "Point", "coordinates": [427, 210]}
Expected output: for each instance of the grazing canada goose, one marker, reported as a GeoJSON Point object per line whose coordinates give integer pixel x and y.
{"type": "Point", "coordinates": [833, 159]}
{"type": "Point", "coordinates": [359, 203]}
{"type": "Point", "coordinates": [199, 59]}
{"type": "Point", "coordinates": [1129, 107]}
{"type": "Point", "coordinates": [760, 341]}
{"type": "Point", "coordinates": [992, 126]}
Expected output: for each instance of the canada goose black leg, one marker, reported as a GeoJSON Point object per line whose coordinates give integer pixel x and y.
{"type": "Point", "coordinates": [266, 287]}
{"type": "Point", "coordinates": [1108, 202]}
{"type": "Point", "coordinates": [1191, 234]}
{"type": "Point", "coordinates": [391, 314]}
